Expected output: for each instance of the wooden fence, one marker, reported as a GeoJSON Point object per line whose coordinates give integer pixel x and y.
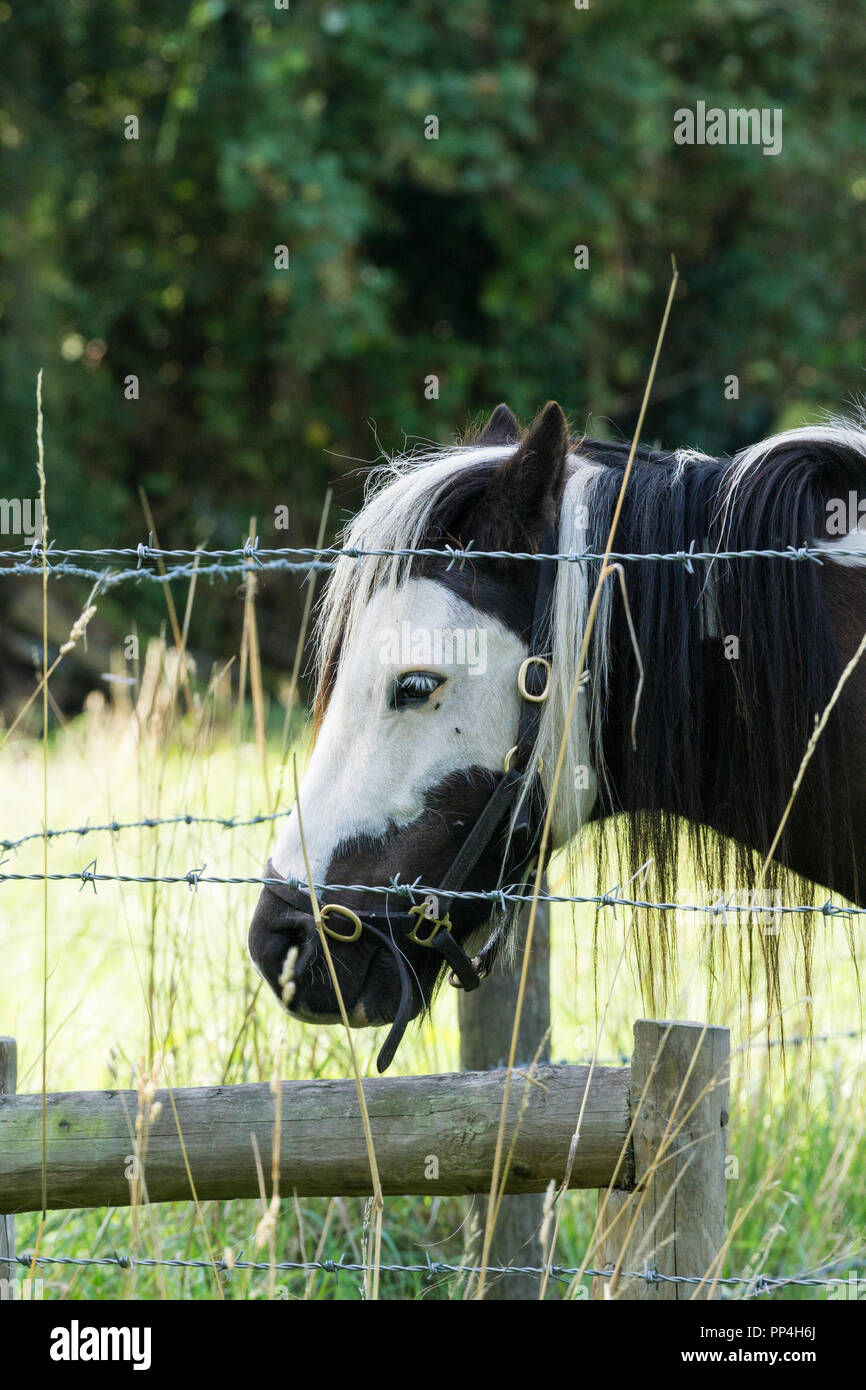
{"type": "Point", "coordinates": [654, 1133]}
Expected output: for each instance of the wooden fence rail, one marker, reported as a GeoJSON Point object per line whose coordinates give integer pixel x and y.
{"type": "Point", "coordinates": [434, 1135]}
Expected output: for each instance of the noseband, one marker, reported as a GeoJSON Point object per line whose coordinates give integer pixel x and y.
{"type": "Point", "coordinates": [428, 924]}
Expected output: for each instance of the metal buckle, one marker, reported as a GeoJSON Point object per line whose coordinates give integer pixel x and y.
{"type": "Point", "coordinates": [521, 679]}
{"type": "Point", "coordinates": [428, 912]}
{"type": "Point", "coordinates": [506, 766]}
{"type": "Point", "coordinates": [343, 912]}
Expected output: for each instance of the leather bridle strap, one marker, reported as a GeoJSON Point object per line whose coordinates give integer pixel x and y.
{"type": "Point", "coordinates": [513, 779]}
{"type": "Point", "coordinates": [382, 924]}
{"type": "Point", "coordinates": [533, 686]}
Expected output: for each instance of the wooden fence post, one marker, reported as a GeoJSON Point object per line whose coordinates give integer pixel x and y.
{"type": "Point", "coordinates": [674, 1220]}
{"type": "Point", "coordinates": [8, 1268]}
{"type": "Point", "coordinates": [486, 1021]}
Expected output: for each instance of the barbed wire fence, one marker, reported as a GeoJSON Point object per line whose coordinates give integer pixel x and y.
{"type": "Point", "coordinates": [753, 1285]}
{"type": "Point", "coordinates": [251, 558]}
{"type": "Point", "coordinates": [254, 558]}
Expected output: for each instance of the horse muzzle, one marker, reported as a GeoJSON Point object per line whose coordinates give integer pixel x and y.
{"type": "Point", "coordinates": [376, 988]}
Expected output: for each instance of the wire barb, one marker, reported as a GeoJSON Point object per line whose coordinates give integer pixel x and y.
{"type": "Point", "coordinates": [87, 875]}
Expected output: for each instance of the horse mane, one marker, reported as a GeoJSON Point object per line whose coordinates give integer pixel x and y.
{"type": "Point", "coordinates": [714, 760]}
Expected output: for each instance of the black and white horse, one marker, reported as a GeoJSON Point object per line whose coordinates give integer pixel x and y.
{"type": "Point", "coordinates": [424, 690]}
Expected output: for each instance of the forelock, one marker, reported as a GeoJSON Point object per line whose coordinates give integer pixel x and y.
{"type": "Point", "coordinates": [411, 502]}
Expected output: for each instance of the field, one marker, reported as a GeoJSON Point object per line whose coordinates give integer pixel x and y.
{"type": "Point", "coordinates": [153, 981]}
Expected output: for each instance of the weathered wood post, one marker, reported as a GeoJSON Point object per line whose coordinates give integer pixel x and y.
{"type": "Point", "coordinates": [673, 1221]}
{"type": "Point", "coordinates": [486, 1021]}
{"type": "Point", "coordinates": [8, 1077]}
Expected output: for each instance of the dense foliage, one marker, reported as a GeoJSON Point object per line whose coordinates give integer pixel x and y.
{"type": "Point", "coordinates": [307, 128]}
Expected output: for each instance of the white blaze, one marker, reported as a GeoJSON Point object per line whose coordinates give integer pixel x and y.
{"type": "Point", "coordinates": [372, 766]}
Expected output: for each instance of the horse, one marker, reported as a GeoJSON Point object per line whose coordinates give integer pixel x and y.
{"type": "Point", "coordinates": [448, 642]}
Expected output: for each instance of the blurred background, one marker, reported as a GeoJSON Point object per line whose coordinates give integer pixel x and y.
{"type": "Point", "coordinates": [306, 127]}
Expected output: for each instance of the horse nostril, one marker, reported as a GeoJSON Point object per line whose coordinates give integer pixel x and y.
{"type": "Point", "coordinates": [274, 932]}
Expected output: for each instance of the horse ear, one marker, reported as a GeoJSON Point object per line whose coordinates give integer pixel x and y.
{"type": "Point", "coordinates": [525, 488]}
{"type": "Point", "coordinates": [501, 428]}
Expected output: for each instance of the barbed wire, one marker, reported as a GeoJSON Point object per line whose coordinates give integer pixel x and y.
{"type": "Point", "coordinates": [756, 1284]}
{"type": "Point", "coordinates": [110, 579]}
{"type": "Point", "coordinates": [623, 1059]}
{"type": "Point", "coordinates": [147, 823]}
{"type": "Point", "coordinates": [252, 557]}
{"type": "Point", "coordinates": [253, 552]}
{"type": "Point", "coordinates": [418, 891]}
{"type": "Point", "coordinates": [613, 899]}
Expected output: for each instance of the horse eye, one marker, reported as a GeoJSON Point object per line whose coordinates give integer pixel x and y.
{"type": "Point", "coordinates": [412, 688]}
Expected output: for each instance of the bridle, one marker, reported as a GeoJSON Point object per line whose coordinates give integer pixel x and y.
{"type": "Point", "coordinates": [428, 924]}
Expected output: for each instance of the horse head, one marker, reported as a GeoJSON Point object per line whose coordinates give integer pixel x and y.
{"type": "Point", "coordinates": [433, 677]}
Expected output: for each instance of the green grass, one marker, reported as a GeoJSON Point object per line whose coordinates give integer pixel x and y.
{"type": "Point", "coordinates": [797, 1121]}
